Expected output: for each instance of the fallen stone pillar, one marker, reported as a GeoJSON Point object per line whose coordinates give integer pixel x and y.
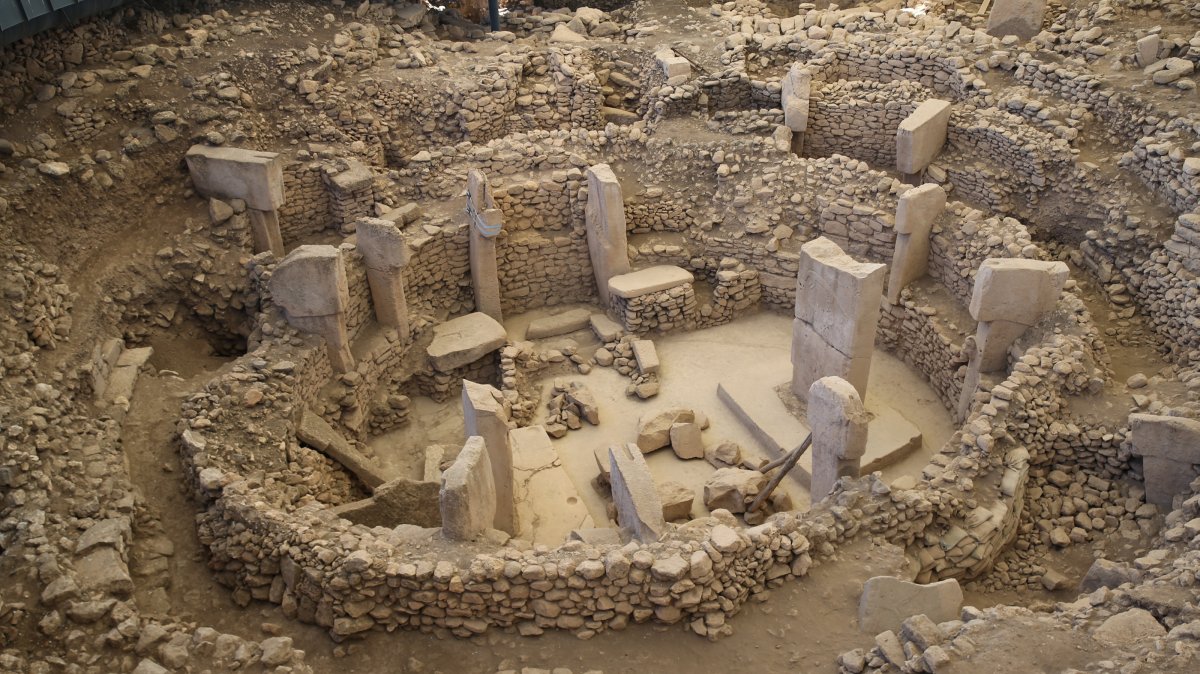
{"type": "Point", "coordinates": [837, 312]}
{"type": "Point", "coordinates": [310, 286]}
{"type": "Point", "coordinates": [918, 209]}
{"type": "Point", "coordinates": [1170, 451]}
{"type": "Point", "coordinates": [839, 433]}
{"type": "Point", "coordinates": [252, 176]}
{"type": "Point", "coordinates": [921, 135]}
{"type": "Point", "coordinates": [1022, 18]}
{"type": "Point", "coordinates": [468, 495]}
{"type": "Point", "coordinates": [639, 507]}
{"type": "Point", "coordinates": [607, 237]}
{"type": "Point", "coordinates": [1010, 295]}
{"type": "Point", "coordinates": [486, 223]}
{"type": "Point", "coordinates": [486, 416]}
{"type": "Point", "coordinates": [385, 251]}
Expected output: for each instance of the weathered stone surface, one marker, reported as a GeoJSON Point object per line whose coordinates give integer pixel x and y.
{"type": "Point", "coordinates": [468, 494]}
{"type": "Point", "coordinates": [1022, 18]}
{"type": "Point", "coordinates": [558, 324]}
{"type": "Point", "coordinates": [1170, 447]}
{"type": "Point", "coordinates": [639, 510]}
{"type": "Point", "coordinates": [464, 340]}
{"type": "Point", "coordinates": [318, 434]}
{"type": "Point", "coordinates": [921, 135]}
{"type": "Point", "coordinates": [686, 441]}
{"type": "Point", "coordinates": [839, 433]}
{"type": "Point", "coordinates": [486, 415]}
{"type": "Point", "coordinates": [311, 281]}
{"type": "Point", "coordinates": [1017, 289]}
{"type": "Point", "coordinates": [887, 601]}
{"type": "Point", "coordinates": [733, 489]}
{"type": "Point", "coordinates": [648, 280]}
{"type": "Point", "coordinates": [606, 231]}
{"type": "Point", "coordinates": [646, 356]}
{"type": "Point", "coordinates": [837, 304]}
{"type": "Point", "coordinates": [654, 429]}
{"type": "Point", "coordinates": [103, 570]}
{"type": "Point", "coordinates": [395, 502]}
{"type": "Point", "coordinates": [1129, 627]}
{"type": "Point", "coordinates": [676, 501]}
{"type": "Point", "coordinates": [233, 173]}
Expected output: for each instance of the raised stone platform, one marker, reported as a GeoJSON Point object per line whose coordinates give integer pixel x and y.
{"type": "Point", "coordinates": [648, 280]}
{"type": "Point", "coordinates": [890, 436]}
{"type": "Point", "coordinates": [464, 340]}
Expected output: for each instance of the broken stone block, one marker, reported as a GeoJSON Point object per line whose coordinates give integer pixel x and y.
{"type": "Point", "coordinates": [639, 510]}
{"type": "Point", "coordinates": [315, 432]}
{"type": "Point", "coordinates": [676, 500]}
{"type": "Point", "coordinates": [727, 453]}
{"type": "Point", "coordinates": [1129, 627]}
{"type": "Point", "coordinates": [646, 355]}
{"type": "Point", "coordinates": [887, 601]}
{"type": "Point", "coordinates": [654, 430]}
{"type": "Point", "coordinates": [686, 441]}
{"type": "Point", "coordinates": [733, 489]}
{"type": "Point", "coordinates": [606, 329]}
{"type": "Point", "coordinates": [558, 324]}
{"type": "Point", "coordinates": [921, 135]}
{"type": "Point", "coordinates": [468, 494]}
{"type": "Point", "coordinates": [1107, 573]}
{"type": "Point", "coordinates": [1022, 18]}
{"type": "Point", "coordinates": [103, 570]}
{"type": "Point", "coordinates": [464, 340]}
{"type": "Point", "coordinates": [582, 397]}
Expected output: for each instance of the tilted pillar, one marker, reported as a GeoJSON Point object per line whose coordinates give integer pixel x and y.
{"type": "Point", "coordinates": [386, 253]}
{"type": "Point", "coordinates": [486, 222]}
{"type": "Point", "coordinates": [485, 415]}
{"type": "Point", "coordinates": [918, 209]}
{"type": "Point", "coordinates": [607, 237]}
{"type": "Point", "coordinates": [1010, 295]}
{"type": "Point", "coordinates": [310, 286]}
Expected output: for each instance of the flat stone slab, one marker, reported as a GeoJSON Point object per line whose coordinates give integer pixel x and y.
{"type": "Point", "coordinates": [648, 280]}
{"type": "Point", "coordinates": [646, 355]}
{"type": "Point", "coordinates": [887, 601]}
{"type": "Point", "coordinates": [549, 507]}
{"type": "Point", "coordinates": [464, 340]}
{"type": "Point", "coordinates": [559, 324]}
{"type": "Point", "coordinates": [606, 329]}
{"type": "Point", "coordinates": [890, 435]}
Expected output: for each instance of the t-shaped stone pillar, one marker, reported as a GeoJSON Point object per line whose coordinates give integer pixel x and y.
{"type": "Point", "coordinates": [386, 253]}
{"type": "Point", "coordinates": [837, 312]}
{"type": "Point", "coordinates": [607, 237]}
{"type": "Point", "coordinates": [310, 286]}
{"type": "Point", "coordinates": [915, 215]}
{"type": "Point", "coordinates": [252, 176]}
{"type": "Point", "coordinates": [485, 415]}
{"type": "Point", "coordinates": [795, 93]}
{"type": "Point", "coordinates": [1010, 295]}
{"type": "Point", "coordinates": [486, 222]}
{"type": "Point", "coordinates": [839, 433]}
{"type": "Point", "coordinates": [921, 135]}
{"type": "Point", "coordinates": [1170, 451]}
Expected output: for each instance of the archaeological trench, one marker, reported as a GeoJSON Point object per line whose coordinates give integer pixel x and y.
{"type": "Point", "coordinates": [551, 336]}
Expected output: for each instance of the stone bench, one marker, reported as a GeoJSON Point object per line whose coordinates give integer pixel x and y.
{"type": "Point", "coordinates": [655, 298]}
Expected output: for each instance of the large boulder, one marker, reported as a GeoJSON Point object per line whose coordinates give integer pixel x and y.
{"type": "Point", "coordinates": [733, 489]}
{"type": "Point", "coordinates": [887, 601]}
{"type": "Point", "coordinates": [654, 430]}
{"type": "Point", "coordinates": [1129, 627]}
